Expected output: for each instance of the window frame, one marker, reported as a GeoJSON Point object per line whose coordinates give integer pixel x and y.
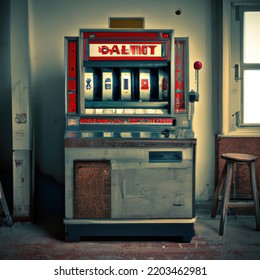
{"type": "Point", "coordinates": [243, 65]}
{"type": "Point", "coordinates": [237, 67]}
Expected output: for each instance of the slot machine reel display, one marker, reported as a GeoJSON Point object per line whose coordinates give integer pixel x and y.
{"type": "Point", "coordinates": [129, 144]}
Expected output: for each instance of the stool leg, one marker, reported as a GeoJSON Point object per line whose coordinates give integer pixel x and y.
{"type": "Point", "coordinates": [255, 193]}
{"type": "Point", "coordinates": [234, 170]}
{"type": "Point", "coordinates": [218, 191]}
{"type": "Point", "coordinates": [227, 188]}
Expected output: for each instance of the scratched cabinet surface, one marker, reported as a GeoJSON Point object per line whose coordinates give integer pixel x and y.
{"type": "Point", "coordinates": [131, 182]}
{"type": "Point", "coordinates": [148, 192]}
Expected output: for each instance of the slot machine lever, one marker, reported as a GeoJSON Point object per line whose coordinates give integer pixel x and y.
{"type": "Point", "coordinates": [194, 95]}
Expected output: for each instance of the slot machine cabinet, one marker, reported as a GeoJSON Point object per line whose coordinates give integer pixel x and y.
{"type": "Point", "coordinates": [129, 145]}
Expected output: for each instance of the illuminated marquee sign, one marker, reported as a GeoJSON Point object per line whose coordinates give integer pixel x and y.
{"type": "Point", "coordinates": [114, 51]}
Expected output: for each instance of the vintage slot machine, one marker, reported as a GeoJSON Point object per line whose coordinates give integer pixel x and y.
{"type": "Point", "coordinates": [129, 144]}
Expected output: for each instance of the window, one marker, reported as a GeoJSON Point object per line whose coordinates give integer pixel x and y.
{"type": "Point", "coordinates": [245, 61]}
{"type": "Point", "coordinates": [251, 67]}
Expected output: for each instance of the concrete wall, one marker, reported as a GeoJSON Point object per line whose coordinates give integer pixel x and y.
{"type": "Point", "coordinates": [51, 20]}
{"type": "Point", "coordinates": [5, 89]}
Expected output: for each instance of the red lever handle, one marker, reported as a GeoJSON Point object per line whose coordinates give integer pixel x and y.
{"type": "Point", "coordinates": [197, 65]}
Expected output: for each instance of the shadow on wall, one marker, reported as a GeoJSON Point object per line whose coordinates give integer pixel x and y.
{"type": "Point", "coordinates": [49, 198]}
{"type": "Point", "coordinates": [7, 184]}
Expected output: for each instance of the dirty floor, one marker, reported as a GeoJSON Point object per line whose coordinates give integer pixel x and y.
{"type": "Point", "coordinates": [45, 241]}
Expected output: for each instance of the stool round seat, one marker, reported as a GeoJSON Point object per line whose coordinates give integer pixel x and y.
{"type": "Point", "coordinates": [225, 182]}
{"type": "Point", "coordinates": [237, 157]}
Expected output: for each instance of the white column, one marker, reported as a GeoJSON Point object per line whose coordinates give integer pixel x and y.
{"type": "Point", "coordinates": [21, 108]}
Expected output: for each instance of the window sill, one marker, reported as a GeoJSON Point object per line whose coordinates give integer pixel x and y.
{"type": "Point", "coordinates": [245, 131]}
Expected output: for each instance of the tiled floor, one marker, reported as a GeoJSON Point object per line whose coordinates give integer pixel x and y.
{"type": "Point", "coordinates": [45, 240]}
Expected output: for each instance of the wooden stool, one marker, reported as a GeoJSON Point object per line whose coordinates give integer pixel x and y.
{"type": "Point", "coordinates": [226, 180]}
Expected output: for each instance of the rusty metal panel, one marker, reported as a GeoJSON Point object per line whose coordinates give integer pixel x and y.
{"type": "Point", "coordinates": [92, 191]}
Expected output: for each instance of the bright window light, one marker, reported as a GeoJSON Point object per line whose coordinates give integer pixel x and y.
{"type": "Point", "coordinates": [251, 37]}
{"type": "Point", "coordinates": [252, 97]}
